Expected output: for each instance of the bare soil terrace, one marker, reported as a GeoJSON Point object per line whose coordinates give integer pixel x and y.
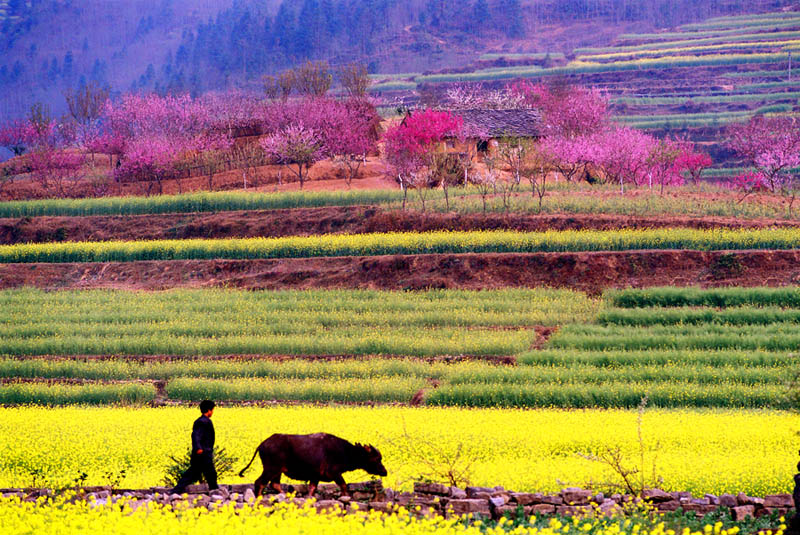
{"type": "Point", "coordinates": [330, 220]}
{"type": "Point", "coordinates": [591, 272]}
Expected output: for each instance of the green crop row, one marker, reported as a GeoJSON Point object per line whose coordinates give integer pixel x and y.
{"type": "Point", "coordinates": [788, 297]}
{"type": "Point", "coordinates": [410, 342]}
{"type": "Point", "coordinates": [746, 21]}
{"type": "Point", "coordinates": [578, 67]}
{"type": "Point", "coordinates": [771, 36]}
{"type": "Point", "coordinates": [768, 85]}
{"type": "Point", "coordinates": [605, 339]}
{"type": "Point", "coordinates": [60, 394]}
{"type": "Point", "coordinates": [780, 73]}
{"type": "Point", "coordinates": [404, 243]}
{"type": "Point", "coordinates": [721, 48]}
{"type": "Point", "coordinates": [702, 34]}
{"type": "Point", "coordinates": [326, 322]}
{"type": "Point", "coordinates": [657, 357]}
{"type": "Point", "coordinates": [522, 55]}
{"type": "Point", "coordinates": [383, 390]}
{"type": "Point", "coordinates": [614, 394]}
{"type": "Point", "coordinates": [715, 99]}
{"type": "Point", "coordinates": [195, 202]}
{"type": "Point", "coordinates": [326, 308]}
{"type": "Point", "coordinates": [695, 316]}
{"type": "Point", "coordinates": [562, 371]}
{"type": "Point", "coordinates": [621, 394]}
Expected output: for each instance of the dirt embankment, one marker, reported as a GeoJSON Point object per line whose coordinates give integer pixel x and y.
{"type": "Point", "coordinates": [327, 220]}
{"type": "Point", "coordinates": [588, 271]}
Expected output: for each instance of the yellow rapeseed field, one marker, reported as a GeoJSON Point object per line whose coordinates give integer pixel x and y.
{"type": "Point", "coordinates": [700, 451]}
{"type": "Point", "coordinates": [77, 519]}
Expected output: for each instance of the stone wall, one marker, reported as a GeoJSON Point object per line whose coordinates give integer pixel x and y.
{"type": "Point", "coordinates": [436, 498]}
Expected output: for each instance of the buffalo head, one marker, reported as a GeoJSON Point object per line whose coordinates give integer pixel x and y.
{"type": "Point", "coordinates": [372, 461]}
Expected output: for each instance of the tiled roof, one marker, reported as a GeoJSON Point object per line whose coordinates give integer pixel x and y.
{"type": "Point", "coordinates": [501, 123]}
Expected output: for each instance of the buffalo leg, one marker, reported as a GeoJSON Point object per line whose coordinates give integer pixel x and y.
{"type": "Point", "coordinates": [339, 480]}
{"type": "Point", "coordinates": [312, 488]}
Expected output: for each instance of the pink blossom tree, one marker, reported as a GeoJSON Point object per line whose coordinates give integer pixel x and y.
{"type": "Point", "coordinates": [623, 154]}
{"type": "Point", "coordinates": [295, 145]}
{"type": "Point", "coordinates": [16, 136]}
{"type": "Point", "coordinates": [54, 169]}
{"type": "Point", "coordinates": [351, 135]}
{"type": "Point", "coordinates": [411, 146]}
{"type": "Point", "coordinates": [770, 145]}
{"type": "Point", "coordinates": [692, 162]}
{"type": "Point", "coordinates": [567, 111]}
{"type": "Point", "coordinates": [662, 162]}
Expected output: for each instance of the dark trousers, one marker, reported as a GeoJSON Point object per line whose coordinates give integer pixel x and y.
{"type": "Point", "coordinates": [200, 465]}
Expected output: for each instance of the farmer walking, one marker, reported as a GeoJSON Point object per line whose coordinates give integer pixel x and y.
{"type": "Point", "coordinates": [202, 461]}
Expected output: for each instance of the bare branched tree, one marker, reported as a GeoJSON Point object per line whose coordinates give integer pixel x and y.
{"type": "Point", "coordinates": [86, 103]}
{"type": "Point", "coordinates": [355, 79]}
{"type": "Point", "coordinates": [313, 78]}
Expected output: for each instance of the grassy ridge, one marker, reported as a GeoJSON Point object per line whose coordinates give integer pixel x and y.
{"type": "Point", "coordinates": [403, 243]}
{"type": "Point", "coordinates": [195, 202]}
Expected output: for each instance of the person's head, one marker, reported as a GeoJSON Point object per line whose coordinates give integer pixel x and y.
{"type": "Point", "coordinates": [207, 407]}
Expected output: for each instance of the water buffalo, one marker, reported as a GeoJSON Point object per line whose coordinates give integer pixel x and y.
{"type": "Point", "coordinates": [312, 458]}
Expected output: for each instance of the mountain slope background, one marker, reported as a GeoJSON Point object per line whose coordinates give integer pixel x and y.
{"type": "Point", "coordinates": [49, 46]}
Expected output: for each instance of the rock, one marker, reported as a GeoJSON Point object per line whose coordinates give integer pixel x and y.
{"type": "Point", "coordinates": [698, 509]}
{"type": "Point", "coordinates": [610, 508]}
{"type": "Point", "coordinates": [241, 488]}
{"type": "Point", "coordinates": [389, 494]}
{"type": "Point", "coordinates": [743, 511]}
{"type": "Point", "coordinates": [598, 498]}
{"type": "Point", "coordinates": [197, 489]}
{"type": "Point", "coordinates": [681, 495]}
{"type": "Point", "coordinates": [540, 509]}
{"type": "Point", "coordinates": [403, 498]}
{"type": "Point", "coordinates": [249, 495]}
{"type": "Point", "coordinates": [222, 492]}
{"type": "Point", "coordinates": [673, 505]}
{"type": "Point", "coordinates": [778, 500]}
{"type": "Point", "coordinates": [713, 499]}
{"type": "Point", "coordinates": [505, 510]}
{"type": "Point", "coordinates": [657, 496]}
{"type": "Point", "coordinates": [425, 500]}
{"type": "Point", "coordinates": [497, 501]}
{"type": "Point", "coordinates": [527, 498]}
{"type": "Point", "coordinates": [553, 500]}
{"type": "Point", "coordinates": [576, 496]}
{"type": "Point", "coordinates": [701, 501]}
{"type": "Point", "coordinates": [462, 507]}
{"type": "Point", "coordinates": [728, 500]}
{"type": "Point", "coordinates": [345, 499]}
{"type": "Point", "coordinates": [472, 492]}
{"type": "Point", "coordinates": [457, 493]}
{"type": "Point", "coordinates": [432, 488]}
{"type": "Point", "coordinates": [375, 485]}
{"type": "Point", "coordinates": [173, 497]}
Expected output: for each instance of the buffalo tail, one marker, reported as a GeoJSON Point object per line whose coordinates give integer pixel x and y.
{"type": "Point", "coordinates": [241, 474]}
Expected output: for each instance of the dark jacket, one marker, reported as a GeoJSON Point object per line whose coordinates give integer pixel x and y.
{"type": "Point", "coordinates": [203, 436]}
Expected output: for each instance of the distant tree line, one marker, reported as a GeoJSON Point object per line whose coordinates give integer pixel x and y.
{"type": "Point", "coordinates": [246, 41]}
